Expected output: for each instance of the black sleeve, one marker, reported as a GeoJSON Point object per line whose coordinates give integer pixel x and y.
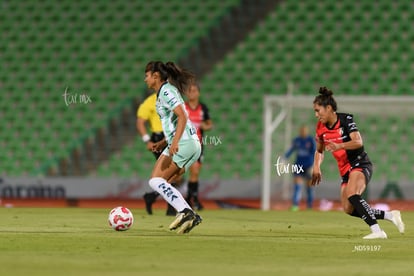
{"type": "Point", "coordinates": [206, 114]}
{"type": "Point", "coordinates": [350, 124]}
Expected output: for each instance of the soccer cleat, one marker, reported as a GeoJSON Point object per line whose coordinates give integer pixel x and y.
{"type": "Point", "coordinates": [396, 219]}
{"type": "Point", "coordinates": [149, 199]}
{"type": "Point", "coordinates": [190, 224]}
{"type": "Point", "coordinates": [376, 235]}
{"type": "Point", "coordinates": [183, 216]}
{"type": "Point", "coordinates": [186, 218]}
{"type": "Point", "coordinates": [294, 208]}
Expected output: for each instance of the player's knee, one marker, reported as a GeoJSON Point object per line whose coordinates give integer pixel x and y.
{"type": "Point", "coordinates": [194, 176]}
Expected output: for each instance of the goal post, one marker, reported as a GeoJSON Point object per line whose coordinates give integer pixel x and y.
{"type": "Point", "coordinates": [284, 114]}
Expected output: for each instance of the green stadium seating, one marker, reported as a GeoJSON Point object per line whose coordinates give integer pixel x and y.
{"type": "Point", "coordinates": [355, 48]}
{"type": "Point", "coordinates": [93, 48]}
{"type": "Point", "coordinates": [100, 48]}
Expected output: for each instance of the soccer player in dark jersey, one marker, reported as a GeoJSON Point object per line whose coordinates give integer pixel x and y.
{"type": "Point", "coordinates": [339, 134]}
{"type": "Point", "coordinates": [304, 146]}
{"type": "Point", "coordinates": [200, 117]}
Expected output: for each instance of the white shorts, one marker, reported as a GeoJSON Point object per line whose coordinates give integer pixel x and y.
{"type": "Point", "coordinates": [188, 152]}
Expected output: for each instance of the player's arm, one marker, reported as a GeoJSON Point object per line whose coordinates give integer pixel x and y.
{"type": "Point", "coordinates": [143, 115]}
{"type": "Point", "coordinates": [289, 152]}
{"type": "Point", "coordinates": [142, 119]}
{"type": "Point", "coordinates": [142, 129]}
{"type": "Point", "coordinates": [355, 143]}
{"type": "Point", "coordinates": [158, 146]}
{"type": "Point", "coordinates": [318, 159]}
{"type": "Point", "coordinates": [207, 123]}
{"type": "Point", "coordinates": [356, 139]}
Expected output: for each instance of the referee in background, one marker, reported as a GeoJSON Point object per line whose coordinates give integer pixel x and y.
{"type": "Point", "coordinates": [147, 113]}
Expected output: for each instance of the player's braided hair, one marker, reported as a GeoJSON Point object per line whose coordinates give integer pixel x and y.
{"type": "Point", "coordinates": [178, 77]}
{"type": "Point", "coordinates": [325, 98]}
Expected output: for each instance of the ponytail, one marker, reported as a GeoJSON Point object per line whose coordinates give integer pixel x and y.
{"type": "Point", "coordinates": [325, 98]}
{"type": "Point", "coordinates": [178, 77]}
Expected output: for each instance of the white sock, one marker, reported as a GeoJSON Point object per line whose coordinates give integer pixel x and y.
{"type": "Point", "coordinates": [169, 193]}
{"type": "Point", "coordinates": [388, 215]}
{"type": "Point", "coordinates": [375, 228]}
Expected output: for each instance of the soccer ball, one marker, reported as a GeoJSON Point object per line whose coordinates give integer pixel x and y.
{"type": "Point", "coordinates": [120, 218]}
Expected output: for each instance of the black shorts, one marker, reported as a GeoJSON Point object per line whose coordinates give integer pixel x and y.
{"type": "Point", "coordinates": [362, 164]}
{"type": "Point", "coordinates": [156, 137]}
{"type": "Point", "coordinates": [306, 173]}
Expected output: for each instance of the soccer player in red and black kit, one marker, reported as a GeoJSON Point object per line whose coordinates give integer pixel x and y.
{"type": "Point", "coordinates": [200, 117]}
{"type": "Point", "coordinates": [338, 134]}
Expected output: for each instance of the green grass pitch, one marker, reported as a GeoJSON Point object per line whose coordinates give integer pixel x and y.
{"type": "Point", "coordinates": [75, 241]}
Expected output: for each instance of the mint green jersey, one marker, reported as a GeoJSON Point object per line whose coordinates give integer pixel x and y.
{"type": "Point", "coordinates": [168, 99]}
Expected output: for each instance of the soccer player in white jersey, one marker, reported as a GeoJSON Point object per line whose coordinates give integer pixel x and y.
{"type": "Point", "coordinates": [181, 146]}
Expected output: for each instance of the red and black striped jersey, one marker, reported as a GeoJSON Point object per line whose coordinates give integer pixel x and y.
{"type": "Point", "coordinates": [340, 133]}
{"type": "Point", "coordinates": [197, 116]}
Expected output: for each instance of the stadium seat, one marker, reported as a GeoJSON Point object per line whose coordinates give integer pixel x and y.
{"type": "Point", "coordinates": [76, 50]}
{"type": "Point", "coordinates": [355, 47]}
{"type": "Point", "coordinates": [335, 52]}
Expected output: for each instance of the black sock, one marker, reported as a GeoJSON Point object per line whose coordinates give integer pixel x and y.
{"type": "Point", "coordinates": [363, 209]}
{"type": "Point", "coordinates": [355, 214]}
{"type": "Point", "coordinates": [379, 214]}
{"type": "Point", "coordinates": [154, 194]}
{"type": "Point", "coordinates": [193, 189]}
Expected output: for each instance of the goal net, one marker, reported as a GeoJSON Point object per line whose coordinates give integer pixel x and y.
{"type": "Point", "coordinates": [386, 124]}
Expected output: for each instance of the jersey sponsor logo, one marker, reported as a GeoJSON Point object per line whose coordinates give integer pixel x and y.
{"type": "Point", "coordinates": [331, 137]}
{"type": "Point", "coordinates": [192, 130]}
{"type": "Point", "coordinates": [352, 126]}
{"type": "Point", "coordinates": [172, 101]}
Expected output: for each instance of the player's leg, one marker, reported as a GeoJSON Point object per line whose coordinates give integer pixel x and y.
{"type": "Point", "coordinates": [189, 152]}
{"type": "Point", "coordinates": [151, 197]}
{"type": "Point", "coordinates": [193, 184]}
{"type": "Point", "coordinates": [297, 192]}
{"type": "Point", "coordinates": [354, 204]}
{"type": "Point", "coordinates": [175, 182]}
{"type": "Point", "coordinates": [310, 193]}
{"type": "Point", "coordinates": [393, 216]}
{"type": "Point", "coordinates": [164, 169]}
{"type": "Point", "coordinates": [168, 168]}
